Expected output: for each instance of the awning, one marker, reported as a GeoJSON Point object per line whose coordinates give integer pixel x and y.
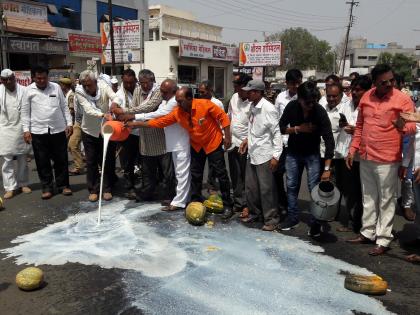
{"type": "Point", "coordinates": [29, 26]}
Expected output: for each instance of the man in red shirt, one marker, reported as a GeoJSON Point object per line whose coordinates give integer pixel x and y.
{"type": "Point", "coordinates": [202, 119]}
{"type": "Point", "coordinates": [377, 139]}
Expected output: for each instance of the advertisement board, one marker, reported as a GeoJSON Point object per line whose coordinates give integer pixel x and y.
{"type": "Point", "coordinates": [260, 54]}
{"type": "Point", "coordinates": [206, 50]}
{"type": "Point", "coordinates": [84, 44]}
{"type": "Point", "coordinates": [127, 41]}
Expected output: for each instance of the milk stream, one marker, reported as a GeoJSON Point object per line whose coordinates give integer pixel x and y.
{"type": "Point", "coordinates": [107, 132]}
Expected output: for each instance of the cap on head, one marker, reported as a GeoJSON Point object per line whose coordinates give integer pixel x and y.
{"type": "Point", "coordinates": [256, 85]}
{"type": "Point", "coordinates": [7, 73]}
{"type": "Point", "coordinates": [114, 80]}
{"type": "Point", "coordinates": [66, 81]}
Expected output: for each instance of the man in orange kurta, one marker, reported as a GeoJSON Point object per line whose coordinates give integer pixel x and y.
{"type": "Point", "coordinates": [202, 119]}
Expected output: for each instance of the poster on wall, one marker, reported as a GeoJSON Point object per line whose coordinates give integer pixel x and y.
{"type": "Point", "coordinates": [23, 77]}
{"type": "Point", "coordinates": [260, 54]}
{"type": "Point", "coordinates": [205, 50]}
{"type": "Point", "coordinates": [127, 41]}
{"type": "Point", "coordinates": [84, 44]}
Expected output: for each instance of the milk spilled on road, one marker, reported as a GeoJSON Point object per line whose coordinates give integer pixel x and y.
{"type": "Point", "coordinates": [107, 132]}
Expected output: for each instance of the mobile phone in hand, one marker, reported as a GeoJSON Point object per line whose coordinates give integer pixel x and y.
{"type": "Point", "coordinates": [343, 120]}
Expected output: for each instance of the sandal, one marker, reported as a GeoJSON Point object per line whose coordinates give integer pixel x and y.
{"type": "Point", "coordinates": [344, 229]}
{"type": "Point", "coordinates": [413, 258]}
{"type": "Point", "coordinates": [250, 218]}
{"type": "Point", "coordinates": [244, 214]}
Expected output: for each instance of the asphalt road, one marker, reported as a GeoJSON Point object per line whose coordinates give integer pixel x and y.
{"type": "Point", "coordinates": [80, 289]}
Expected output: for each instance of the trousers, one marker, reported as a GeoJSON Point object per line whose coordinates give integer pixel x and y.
{"type": "Point", "coordinates": [379, 188]}
{"type": "Point", "coordinates": [261, 192]}
{"type": "Point", "coordinates": [217, 162]}
{"type": "Point", "coordinates": [182, 162]}
{"type": "Point", "coordinates": [237, 169]}
{"type": "Point", "coordinates": [94, 147]}
{"type": "Point", "coordinates": [51, 147]}
{"type": "Point", "coordinates": [15, 175]}
{"type": "Point", "coordinates": [74, 147]}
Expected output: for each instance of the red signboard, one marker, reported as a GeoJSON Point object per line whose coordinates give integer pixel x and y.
{"type": "Point", "coordinates": [85, 44]}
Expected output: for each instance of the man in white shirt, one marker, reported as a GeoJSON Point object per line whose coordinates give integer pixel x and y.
{"type": "Point", "coordinates": [12, 145]}
{"type": "Point", "coordinates": [95, 98]}
{"type": "Point", "coordinates": [331, 79]}
{"type": "Point", "coordinates": [351, 189]}
{"type": "Point", "coordinates": [177, 142]}
{"type": "Point", "coordinates": [129, 154]}
{"type": "Point", "coordinates": [293, 80]}
{"type": "Point", "coordinates": [47, 124]}
{"type": "Point", "coordinates": [205, 90]}
{"type": "Point", "coordinates": [238, 112]}
{"type": "Point", "coordinates": [264, 145]}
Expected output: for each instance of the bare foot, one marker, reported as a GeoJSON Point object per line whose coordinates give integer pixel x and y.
{"type": "Point", "coordinates": [413, 258]}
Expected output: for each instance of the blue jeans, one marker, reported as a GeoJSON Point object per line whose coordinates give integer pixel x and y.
{"type": "Point", "coordinates": [294, 168]}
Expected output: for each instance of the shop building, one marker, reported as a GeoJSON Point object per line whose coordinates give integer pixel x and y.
{"type": "Point", "coordinates": [190, 51]}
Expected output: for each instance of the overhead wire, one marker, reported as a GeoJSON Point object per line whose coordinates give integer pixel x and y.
{"type": "Point", "coordinates": [268, 18]}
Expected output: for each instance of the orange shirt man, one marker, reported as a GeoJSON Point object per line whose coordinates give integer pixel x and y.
{"type": "Point", "coordinates": [202, 119]}
{"type": "Point", "coordinates": [377, 138]}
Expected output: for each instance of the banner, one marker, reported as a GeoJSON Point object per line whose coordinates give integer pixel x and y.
{"type": "Point", "coordinates": [260, 54]}
{"type": "Point", "coordinates": [25, 10]}
{"type": "Point", "coordinates": [85, 44]}
{"type": "Point", "coordinates": [23, 77]}
{"type": "Point", "coordinates": [205, 50]}
{"type": "Point", "coordinates": [127, 41]}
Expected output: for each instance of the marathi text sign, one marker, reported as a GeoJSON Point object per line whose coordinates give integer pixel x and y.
{"type": "Point", "coordinates": [127, 41]}
{"type": "Point", "coordinates": [25, 10]}
{"type": "Point", "coordinates": [84, 44]}
{"type": "Point", "coordinates": [260, 54]}
{"type": "Point", "coordinates": [35, 46]}
{"type": "Point", "coordinates": [204, 50]}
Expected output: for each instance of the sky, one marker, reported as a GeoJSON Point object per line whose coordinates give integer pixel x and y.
{"type": "Point", "coordinates": [379, 21]}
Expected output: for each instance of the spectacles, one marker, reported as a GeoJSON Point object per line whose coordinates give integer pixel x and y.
{"type": "Point", "coordinates": [387, 82]}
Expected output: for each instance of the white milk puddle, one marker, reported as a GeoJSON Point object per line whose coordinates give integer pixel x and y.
{"type": "Point", "coordinates": [120, 241]}
{"type": "Point", "coordinates": [175, 268]}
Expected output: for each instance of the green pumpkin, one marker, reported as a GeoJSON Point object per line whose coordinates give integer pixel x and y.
{"type": "Point", "coordinates": [215, 198]}
{"type": "Point", "coordinates": [196, 213]}
{"type": "Point", "coordinates": [213, 206]}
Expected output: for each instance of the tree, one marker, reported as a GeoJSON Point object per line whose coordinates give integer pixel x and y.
{"type": "Point", "coordinates": [400, 63]}
{"type": "Point", "coordinates": [385, 58]}
{"type": "Point", "coordinates": [304, 51]}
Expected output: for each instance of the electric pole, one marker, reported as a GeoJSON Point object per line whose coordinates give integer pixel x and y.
{"type": "Point", "coordinates": [349, 26]}
{"type": "Point", "coordinates": [111, 37]}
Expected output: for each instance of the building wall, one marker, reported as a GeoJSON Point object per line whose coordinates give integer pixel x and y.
{"type": "Point", "coordinates": [161, 55]}
{"type": "Point", "coordinates": [367, 57]}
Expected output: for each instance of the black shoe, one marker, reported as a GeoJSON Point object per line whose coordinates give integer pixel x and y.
{"type": "Point", "coordinates": [288, 224]}
{"type": "Point", "coordinates": [228, 214]}
{"type": "Point", "coordinates": [315, 230]}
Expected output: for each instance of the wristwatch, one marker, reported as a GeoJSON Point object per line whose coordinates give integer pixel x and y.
{"type": "Point", "coordinates": [326, 168]}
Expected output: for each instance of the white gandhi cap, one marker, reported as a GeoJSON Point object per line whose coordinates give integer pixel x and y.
{"type": "Point", "coordinates": [7, 73]}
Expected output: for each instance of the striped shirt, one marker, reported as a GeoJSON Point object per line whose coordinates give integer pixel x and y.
{"type": "Point", "coordinates": [152, 140]}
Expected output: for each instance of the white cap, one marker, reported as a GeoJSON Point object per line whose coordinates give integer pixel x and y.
{"type": "Point", "coordinates": [6, 73]}
{"type": "Point", "coordinates": [114, 80]}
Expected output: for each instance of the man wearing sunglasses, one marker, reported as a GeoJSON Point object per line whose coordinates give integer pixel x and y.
{"type": "Point", "coordinates": [377, 139]}
{"type": "Point", "coordinates": [306, 122]}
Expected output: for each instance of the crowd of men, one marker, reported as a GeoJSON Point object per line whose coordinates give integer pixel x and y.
{"type": "Point", "coordinates": [351, 134]}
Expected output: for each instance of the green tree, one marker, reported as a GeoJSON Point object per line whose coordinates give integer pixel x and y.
{"type": "Point", "coordinates": [401, 64]}
{"type": "Point", "coordinates": [304, 51]}
{"type": "Point", "coordinates": [385, 58]}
